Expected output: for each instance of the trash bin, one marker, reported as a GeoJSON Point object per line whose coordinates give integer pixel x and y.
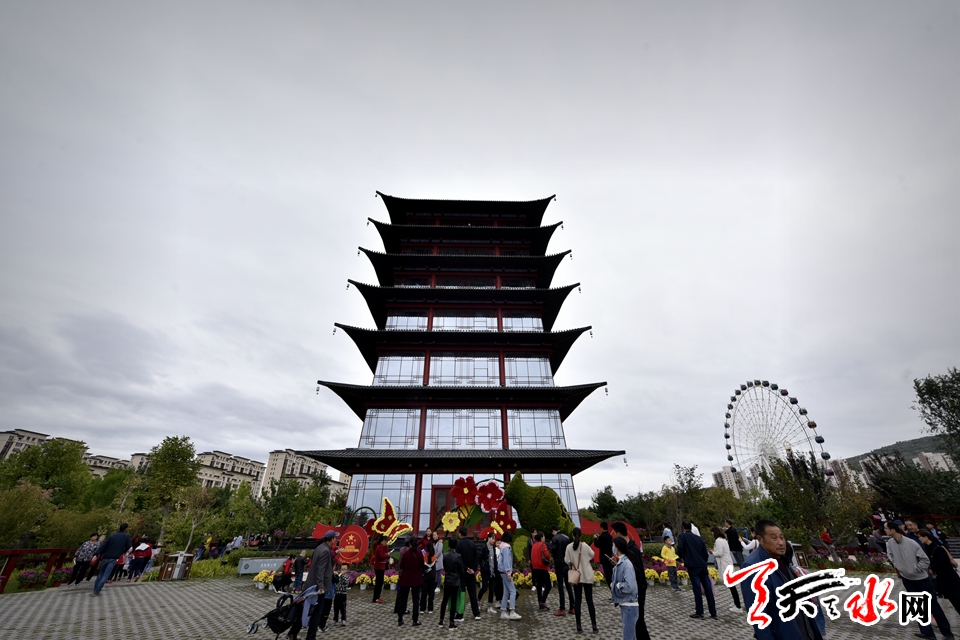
{"type": "Point", "coordinates": [176, 566]}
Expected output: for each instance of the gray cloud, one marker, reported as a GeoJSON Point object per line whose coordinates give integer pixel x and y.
{"type": "Point", "coordinates": [750, 190]}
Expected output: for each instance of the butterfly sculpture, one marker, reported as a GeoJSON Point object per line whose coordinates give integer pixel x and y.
{"type": "Point", "coordinates": [387, 524]}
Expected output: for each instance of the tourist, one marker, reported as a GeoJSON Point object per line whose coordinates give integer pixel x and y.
{"type": "Point", "coordinates": [109, 551]}
{"type": "Point", "coordinates": [624, 587]}
{"type": "Point", "coordinates": [693, 552]}
{"type": "Point", "coordinates": [578, 557]}
{"type": "Point", "coordinates": [468, 553]}
{"type": "Point", "coordinates": [604, 543]}
{"type": "Point", "coordinates": [540, 564]}
{"type": "Point", "coordinates": [284, 578]}
{"type": "Point", "coordinates": [558, 549]}
{"type": "Point", "coordinates": [429, 576]}
{"type": "Point", "coordinates": [912, 562]}
{"type": "Point", "coordinates": [752, 544]}
{"type": "Point", "coordinates": [667, 532]}
{"type": "Point", "coordinates": [454, 576]}
{"type": "Point", "coordinates": [635, 555]}
{"type": "Point", "coordinates": [321, 577]}
{"type": "Point", "coordinates": [438, 550]}
{"type": "Point", "coordinates": [81, 560]}
{"type": "Point", "coordinates": [341, 585]}
{"type": "Point", "coordinates": [669, 555]}
{"type": "Point", "coordinates": [141, 555]}
{"type": "Point", "coordinates": [426, 539]}
{"type": "Point", "coordinates": [299, 565]}
{"type": "Point", "coordinates": [381, 557]}
{"type": "Point", "coordinates": [772, 544]}
{"type": "Point", "coordinates": [489, 575]}
{"type": "Point", "coordinates": [409, 582]}
{"type": "Point", "coordinates": [527, 552]}
{"type": "Point", "coordinates": [505, 566]}
{"type": "Point", "coordinates": [943, 566]}
{"type": "Point", "coordinates": [723, 559]}
{"type": "Point", "coordinates": [735, 542]}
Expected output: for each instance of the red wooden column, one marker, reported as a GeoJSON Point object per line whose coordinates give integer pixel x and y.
{"type": "Point", "coordinates": [504, 427]}
{"type": "Point", "coordinates": [417, 490]}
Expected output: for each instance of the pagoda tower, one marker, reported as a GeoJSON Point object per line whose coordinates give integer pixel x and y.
{"type": "Point", "coordinates": [463, 358]}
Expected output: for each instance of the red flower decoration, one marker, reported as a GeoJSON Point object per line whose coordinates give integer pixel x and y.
{"type": "Point", "coordinates": [489, 496]}
{"type": "Point", "coordinates": [485, 532]}
{"type": "Point", "coordinates": [501, 515]}
{"type": "Point", "coordinates": [464, 491]}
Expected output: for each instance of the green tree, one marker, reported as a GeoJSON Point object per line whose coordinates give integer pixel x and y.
{"type": "Point", "coordinates": [68, 528]}
{"type": "Point", "coordinates": [195, 506]}
{"type": "Point", "coordinates": [173, 467]}
{"type": "Point", "coordinates": [55, 465]}
{"type": "Point", "coordinates": [281, 502]}
{"type": "Point", "coordinates": [605, 504]}
{"type": "Point", "coordinates": [246, 514]}
{"type": "Point", "coordinates": [938, 401]}
{"type": "Point", "coordinates": [682, 498]}
{"type": "Point", "coordinates": [104, 491]}
{"type": "Point", "coordinates": [809, 500]}
{"type": "Point", "coordinates": [22, 509]}
{"type": "Point", "coordinates": [912, 490]}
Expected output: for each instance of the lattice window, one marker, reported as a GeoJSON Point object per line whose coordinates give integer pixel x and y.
{"type": "Point", "coordinates": [464, 320]}
{"type": "Point", "coordinates": [468, 368]}
{"type": "Point", "coordinates": [390, 429]}
{"type": "Point", "coordinates": [535, 429]}
{"type": "Point", "coordinates": [522, 321]}
{"type": "Point", "coordinates": [367, 490]}
{"type": "Point", "coordinates": [463, 429]}
{"type": "Point", "coordinates": [395, 369]}
{"type": "Point", "coordinates": [528, 371]}
{"type": "Point", "coordinates": [407, 320]}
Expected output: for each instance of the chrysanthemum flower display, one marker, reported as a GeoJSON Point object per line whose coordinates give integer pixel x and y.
{"type": "Point", "coordinates": [489, 496]}
{"type": "Point", "coordinates": [473, 501]}
{"type": "Point", "coordinates": [450, 521]}
{"type": "Point", "coordinates": [464, 492]}
{"type": "Point", "coordinates": [501, 517]}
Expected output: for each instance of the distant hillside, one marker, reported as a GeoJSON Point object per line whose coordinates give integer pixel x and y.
{"type": "Point", "coordinates": [908, 448]}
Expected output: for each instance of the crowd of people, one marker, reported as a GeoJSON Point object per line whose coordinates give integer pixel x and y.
{"type": "Point", "coordinates": [919, 554]}
{"type": "Point", "coordinates": [110, 558]}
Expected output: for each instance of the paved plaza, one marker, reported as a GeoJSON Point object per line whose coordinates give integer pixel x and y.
{"type": "Point", "coordinates": [215, 609]}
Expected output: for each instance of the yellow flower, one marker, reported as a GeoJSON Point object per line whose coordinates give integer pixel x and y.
{"type": "Point", "coordinates": [650, 574]}
{"type": "Point", "coordinates": [497, 528]}
{"type": "Point", "coordinates": [664, 575]}
{"type": "Point", "coordinates": [450, 521]}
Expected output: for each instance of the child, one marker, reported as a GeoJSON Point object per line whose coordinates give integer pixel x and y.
{"type": "Point", "coordinates": [669, 555]}
{"type": "Point", "coordinates": [341, 583]}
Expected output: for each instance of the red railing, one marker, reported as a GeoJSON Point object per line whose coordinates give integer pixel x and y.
{"type": "Point", "coordinates": [55, 560]}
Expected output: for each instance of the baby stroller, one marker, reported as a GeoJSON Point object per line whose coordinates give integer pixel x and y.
{"type": "Point", "coordinates": [281, 617]}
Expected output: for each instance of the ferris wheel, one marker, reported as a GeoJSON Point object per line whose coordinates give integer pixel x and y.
{"type": "Point", "coordinates": [764, 422]}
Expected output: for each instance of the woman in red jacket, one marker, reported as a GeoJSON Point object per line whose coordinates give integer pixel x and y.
{"type": "Point", "coordinates": [540, 561]}
{"type": "Point", "coordinates": [410, 580]}
{"type": "Point", "coordinates": [381, 554]}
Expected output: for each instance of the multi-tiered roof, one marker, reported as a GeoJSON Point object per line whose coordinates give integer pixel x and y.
{"type": "Point", "coordinates": [446, 263]}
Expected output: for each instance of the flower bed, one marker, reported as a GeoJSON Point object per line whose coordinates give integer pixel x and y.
{"type": "Point", "coordinates": [32, 578]}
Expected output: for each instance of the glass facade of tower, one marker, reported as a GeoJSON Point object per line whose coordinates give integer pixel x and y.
{"type": "Point", "coordinates": [463, 357]}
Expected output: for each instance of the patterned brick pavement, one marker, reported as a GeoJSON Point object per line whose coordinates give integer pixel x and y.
{"type": "Point", "coordinates": [221, 609]}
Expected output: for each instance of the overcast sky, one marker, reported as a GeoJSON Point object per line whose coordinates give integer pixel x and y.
{"type": "Point", "coordinates": [750, 190]}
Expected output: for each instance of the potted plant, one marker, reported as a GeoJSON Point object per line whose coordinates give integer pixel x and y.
{"type": "Point", "coordinates": [61, 575]}
{"type": "Point", "coordinates": [31, 579]}
{"type": "Point", "coordinates": [713, 574]}
{"type": "Point", "coordinates": [684, 577]}
{"type": "Point", "coordinates": [263, 578]}
{"type": "Point", "coordinates": [651, 575]}
{"type": "Point", "coordinates": [363, 580]}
